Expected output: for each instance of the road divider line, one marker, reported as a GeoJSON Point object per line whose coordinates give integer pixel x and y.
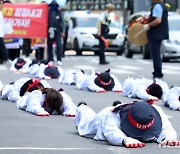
{"type": "Point", "coordinates": [55, 149]}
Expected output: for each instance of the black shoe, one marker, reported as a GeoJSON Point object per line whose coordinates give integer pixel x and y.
{"type": "Point", "coordinates": [73, 83]}
{"type": "Point", "coordinates": [104, 63]}
{"type": "Point", "coordinates": [82, 103]}
{"type": "Point", "coordinates": [116, 103]}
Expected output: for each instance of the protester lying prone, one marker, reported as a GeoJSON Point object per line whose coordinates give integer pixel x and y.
{"type": "Point", "coordinates": [130, 125]}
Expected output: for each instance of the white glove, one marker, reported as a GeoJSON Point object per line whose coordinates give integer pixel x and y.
{"type": "Point", "coordinates": [51, 32]}
{"type": "Point", "coordinates": [146, 27]}
{"type": "Point", "coordinates": [132, 143]}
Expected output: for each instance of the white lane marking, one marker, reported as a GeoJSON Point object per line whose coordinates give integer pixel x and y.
{"type": "Point", "coordinates": [85, 67]}
{"type": "Point", "coordinates": [144, 61]}
{"type": "Point", "coordinates": [2, 67]}
{"type": "Point", "coordinates": [167, 71]}
{"type": "Point", "coordinates": [171, 67]}
{"type": "Point", "coordinates": [59, 149]}
{"type": "Point", "coordinates": [41, 148]}
{"type": "Point", "coordinates": [120, 71]}
{"type": "Point", "coordinates": [129, 67]}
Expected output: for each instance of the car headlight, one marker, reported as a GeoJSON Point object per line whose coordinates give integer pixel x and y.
{"type": "Point", "coordinates": [120, 35]}
{"type": "Point", "coordinates": [88, 35]}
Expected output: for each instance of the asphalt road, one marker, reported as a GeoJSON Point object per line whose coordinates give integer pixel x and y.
{"type": "Point", "coordinates": [22, 132]}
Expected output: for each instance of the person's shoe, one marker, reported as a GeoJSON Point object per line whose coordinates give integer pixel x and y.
{"type": "Point", "coordinates": [59, 63]}
{"type": "Point", "coordinates": [73, 83]}
{"type": "Point", "coordinates": [104, 63]}
{"type": "Point", "coordinates": [51, 63]}
{"type": "Point", "coordinates": [80, 103]}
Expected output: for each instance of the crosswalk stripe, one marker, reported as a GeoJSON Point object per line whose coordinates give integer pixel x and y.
{"type": "Point", "coordinates": [85, 67]}
{"type": "Point", "coordinates": [171, 67]}
{"type": "Point", "coordinates": [121, 71]}
{"type": "Point", "coordinates": [2, 67]}
{"type": "Point", "coordinates": [129, 67]}
{"type": "Point", "coordinates": [167, 71]}
{"type": "Point", "coordinates": [144, 61]}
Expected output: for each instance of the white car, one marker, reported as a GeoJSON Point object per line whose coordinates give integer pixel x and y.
{"type": "Point", "coordinates": [170, 48]}
{"type": "Point", "coordinates": [82, 34]}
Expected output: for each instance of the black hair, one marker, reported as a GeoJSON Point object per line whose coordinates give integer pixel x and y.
{"type": "Point", "coordinates": [53, 101]}
{"type": "Point", "coordinates": [116, 103]}
{"type": "Point", "coordinates": [155, 90]}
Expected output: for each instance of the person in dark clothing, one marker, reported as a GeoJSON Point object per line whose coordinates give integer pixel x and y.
{"type": "Point", "coordinates": [103, 30]}
{"type": "Point", "coordinates": [26, 47]}
{"type": "Point", "coordinates": [55, 31]}
{"type": "Point", "coordinates": [3, 50]}
{"type": "Point", "coordinates": [40, 53]}
{"type": "Point", "coordinates": [157, 30]}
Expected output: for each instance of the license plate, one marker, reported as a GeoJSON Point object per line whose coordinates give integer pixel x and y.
{"type": "Point", "coordinates": [109, 42]}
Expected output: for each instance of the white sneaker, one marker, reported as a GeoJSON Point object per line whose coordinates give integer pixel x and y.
{"type": "Point", "coordinates": [51, 63]}
{"type": "Point", "coordinates": [59, 63]}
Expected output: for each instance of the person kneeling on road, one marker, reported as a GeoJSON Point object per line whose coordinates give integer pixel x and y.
{"type": "Point", "coordinates": [130, 125]}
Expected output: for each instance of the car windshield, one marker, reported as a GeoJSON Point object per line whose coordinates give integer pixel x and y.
{"type": "Point", "coordinates": [87, 22]}
{"type": "Point", "coordinates": [174, 24]}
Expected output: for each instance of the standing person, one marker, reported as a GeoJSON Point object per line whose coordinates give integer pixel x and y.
{"type": "Point", "coordinates": [157, 30]}
{"type": "Point", "coordinates": [3, 50]}
{"type": "Point", "coordinates": [103, 30]}
{"type": "Point", "coordinates": [55, 31]}
{"type": "Point", "coordinates": [14, 52]}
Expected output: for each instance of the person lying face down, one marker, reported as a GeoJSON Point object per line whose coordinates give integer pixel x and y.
{"type": "Point", "coordinates": [14, 90]}
{"type": "Point", "coordinates": [145, 89]}
{"type": "Point", "coordinates": [47, 101]}
{"type": "Point", "coordinates": [20, 65]}
{"type": "Point", "coordinates": [130, 125]}
{"type": "Point", "coordinates": [37, 96]}
{"type": "Point", "coordinates": [43, 70]}
{"type": "Point", "coordinates": [42, 102]}
{"type": "Point", "coordinates": [98, 82]}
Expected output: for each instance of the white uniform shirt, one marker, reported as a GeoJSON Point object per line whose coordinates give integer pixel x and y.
{"type": "Point", "coordinates": [25, 67]}
{"type": "Point", "coordinates": [11, 91]}
{"type": "Point", "coordinates": [86, 82]}
{"type": "Point", "coordinates": [105, 125]}
{"type": "Point", "coordinates": [173, 98]}
{"type": "Point", "coordinates": [33, 102]}
{"type": "Point", "coordinates": [69, 77]}
{"type": "Point", "coordinates": [37, 71]}
{"type": "Point", "coordinates": [103, 16]}
{"type": "Point", "coordinates": [137, 87]}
